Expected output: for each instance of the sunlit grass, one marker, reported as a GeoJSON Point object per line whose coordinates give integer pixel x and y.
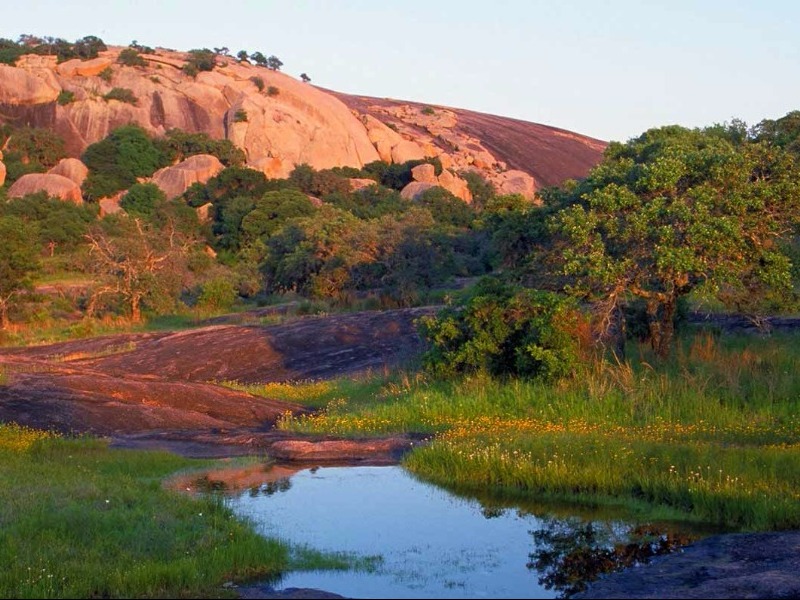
{"type": "Point", "coordinates": [78, 520]}
{"type": "Point", "coordinates": [714, 433]}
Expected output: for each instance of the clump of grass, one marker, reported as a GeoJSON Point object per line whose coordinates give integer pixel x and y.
{"type": "Point", "coordinates": [80, 520]}
{"type": "Point", "coordinates": [714, 433]}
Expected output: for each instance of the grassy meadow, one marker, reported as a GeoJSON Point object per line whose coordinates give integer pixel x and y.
{"type": "Point", "coordinates": [712, 435]}
{"type": "Point", "coordinates": [80, 520]}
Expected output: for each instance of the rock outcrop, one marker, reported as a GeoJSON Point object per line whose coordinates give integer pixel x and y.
{"type": "Point", "coordinates": [175, 180]}
{"type": "Point", "coordinates": [56, 186]}
{"type": "Point", "coordinates": [425, 178]}
{"type": "Point", "coordinates": [281, 122]}
{"type": "Point", "coordinates": [71, 168]}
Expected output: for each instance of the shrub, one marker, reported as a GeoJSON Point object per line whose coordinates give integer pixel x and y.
{"type": "Point", "coordinates": [65, 97]}
{"type": "Point", "coordinates": [106, 74]}
{"type": "Point", "coordinates": [142, 199]}
{"type": "Point", "coordinates": [259, 83]}
{"type": "Point", "coordinates": [273, 91]}
{"type": "Point", "coordinates": [240, 116]}
{"type": "Point", "coordinates": [130, 57]}
{"type": "Point", "coordinates": [178, 145]}
{"type": "Point", "coordinates": [200, 60]}
{"type": "Point", "coordinates": [428, 111]}
{"type": "Point", "coordinates": [504, 330]}
{"type": "Point", "coordinates": [217, 295]}
{"type": "Point", "coordinates": [121, 95]}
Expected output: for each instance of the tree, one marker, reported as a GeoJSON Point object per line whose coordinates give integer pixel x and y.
{"type": "Point", "coordinates": [675, 209]}
{"type": "Point", "coordinates": [259, 59]}
{"type": "Point", "coordinates": [274, 63]}
{"type": "Point", "coordinates": [242, 56]}
{"type": "Point", "coordinates": [305, 78]}
{"type": "Point", "coordinates": [19, 260]}
{"type": "Point", "coordinates": [140, 262]}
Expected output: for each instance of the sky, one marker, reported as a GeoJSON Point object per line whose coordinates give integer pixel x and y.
{"type": "Point", "coordinates": [608, 69]}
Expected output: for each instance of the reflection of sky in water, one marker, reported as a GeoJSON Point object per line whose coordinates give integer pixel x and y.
{"type": "Point", "coordinates": [434, 544]}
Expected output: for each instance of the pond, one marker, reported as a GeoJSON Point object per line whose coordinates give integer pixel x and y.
{"type": "Point", "coordinates": [431, 542]}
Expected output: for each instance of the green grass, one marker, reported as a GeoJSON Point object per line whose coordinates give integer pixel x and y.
{"type": "Point", "coordinates": [713, 434]}
{"type": "Point", "coordinates": [80, 520]}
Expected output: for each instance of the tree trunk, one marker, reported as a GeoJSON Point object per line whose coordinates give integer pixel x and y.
{"type": "Point", "coordinates": [136, 311]}
{"type": "Point", "coordinates": [661, 322]}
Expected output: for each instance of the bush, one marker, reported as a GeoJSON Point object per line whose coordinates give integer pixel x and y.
{"type": "Point", "coordinates": [240, 116]}
{"type": "Point", "coordinates": [217, 295]}
{"type": "Point", "coordinates": [106, 74]}
{"type": "Point", "coordinates": [142, 199]}
{"type": "Point", "coordinates": [273, 91]}
{"type": "Point", "coordinates": [65, 97]}
{"type": "Point", "coordinates": [504, 330]}
{"type": "Point", "coordinates": [121, 95]}
{"type": "Point", "coordinates": [178, 145]}
{"type": "Point", "coordinates": [200, 60]}
{"type": "Point", "coordinates": [258, 82]}
{"type": "Point", "coordinates": [130, 57]}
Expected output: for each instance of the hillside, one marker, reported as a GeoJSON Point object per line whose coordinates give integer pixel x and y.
{"type": "Point", "coordinates": [281, 122]}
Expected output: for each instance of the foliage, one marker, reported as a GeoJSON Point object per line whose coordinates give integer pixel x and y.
{"type": "Point", "coordinates": [240, 116]}
{"type": "Point", "coordinates": [428, 111]}
{"type": "Point", "coordinates": [142, 199]}
{"type": "Point", "coordinates": [106, 74]}
{"type": "Point", "coordinates": [258, 82]}
{"type": "Point", "coordinates": [200, 59]}
{"type": "Point", "coordinates": [122, 95]}
{"type": "Point", "coordinates": [19, 260]}
{"type": "Point", "coordinates": [273, 91]}
{"type": "Point", "coordinates": [29, 150]}
{"type": "Point", "coordinates": [142, 262]}
{"type": "Point", "coordinates": [305, 78]}
{"type": "Point", "coordinates": [272, 211]}
{"type": "Point", "coordinates": [178, 145]}
{"type": "Point", "coordinates": [131, 57]}
{"type": "Point", "coordinates": [446, 208]}
{"type": "Point", "coordinates": [218, 295]}
{"type": "Point", "coordinates": [274, 63]}
{"type": "Point", "coordinates": [59, 224]}
{"type": "Point", "coordinates": [317, 183]}
{"type": "Point", "coordinates": [65, 97]}
{"type": "Point", "coordinates": [783, 132]}
{"type": "Point", "coordinates": [398, 176]}
{"type": "Point", "coordinates": [117, 161]}
{"type": "Point", "coordinates": [503, 330]}
{"type": "Point", "coordinates": [674, 209]}
{"type": "Point", "coordinates": [482, 191]}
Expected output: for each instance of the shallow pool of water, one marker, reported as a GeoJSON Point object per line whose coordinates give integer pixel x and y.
{"type": "Point", "coordinates": [433, 544]}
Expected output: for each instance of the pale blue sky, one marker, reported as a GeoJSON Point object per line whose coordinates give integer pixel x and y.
{"type": "Point", "coordinates": [607, 69]}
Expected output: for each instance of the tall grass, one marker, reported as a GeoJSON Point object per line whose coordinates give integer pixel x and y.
{"type": "Point", "coordinates": [79, 520]}
{"type": "Point", "coordinates": [714, 433]}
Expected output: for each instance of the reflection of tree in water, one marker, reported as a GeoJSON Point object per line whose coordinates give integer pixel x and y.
{"type": "Point", "coordinates": [271, 487]}
{"type": "Point", "coordinates": [208, 485]}
{"type": "Point", "coordinates": [570, 552]}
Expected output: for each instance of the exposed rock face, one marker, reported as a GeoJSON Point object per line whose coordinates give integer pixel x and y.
{"type": "Point", "coordinates": [84, 68]}
{"type": "Point", "coordinates": [360, 184]}
{"type": "Point", "coordinates": [71, 168]}
{"type": "Point", "coordinates": [56, 186]}
{"type": "Point", "coordinates": [175, 180]}
{"type": "Point", "coordinates": [2, 173]}
{"type": "Point", "coordinates": [280, 122]}
{"type": "Point", "coordinates": [204, 212]}
{"type": "Point", "coordinates": [426, 174]}
{"type": "Point", "coordinates": [415, 189]}
{"type": "Point", "coordinates": [110, 205]}
{"type": "Point", "coordinates": [21, 87]}
{"type": "Point", "coordinates": [515, 182]}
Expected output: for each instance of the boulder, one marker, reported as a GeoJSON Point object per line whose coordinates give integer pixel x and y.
{"type": "Point", "coordinates": [56, 186]}
{"type": "Point", "coordinates": [175, 180]}
{"type": "Point", "coordinates": [19, 87]}
{"type": "Point", "coordinates": [204, 212]}
{"type": "Point", "coordinates": [455, 185]}
{"type": "Point", "coordinates": [272, 167]}
{"type": "Point", "coordinates": [515, 182]}
{"type": "Point", "coordinates": [415, 189]}
{"type": "Point", "coordinates": [425, 173]}
{"type": "Point", "coordinates": [71, 168]}
{"type": "Point", "coordinates": [84, 68]}
{"type": "Point", "coordinates": [406, 150]}
{"type": "Point", "coordinates": [110, 205]}
{"type": "Point", "coordinates": [2, 173]}
{"type": "Point", "coordinates": [360, 184]}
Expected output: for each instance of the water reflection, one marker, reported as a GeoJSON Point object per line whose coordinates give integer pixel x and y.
{"type": "Point", "coordinates": [438, 544]}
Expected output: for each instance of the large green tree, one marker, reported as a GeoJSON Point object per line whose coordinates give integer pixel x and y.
{"type": "Point", "coordinates": [675, 209]}
{"type": "Point", "coordinates": [19, 260]}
